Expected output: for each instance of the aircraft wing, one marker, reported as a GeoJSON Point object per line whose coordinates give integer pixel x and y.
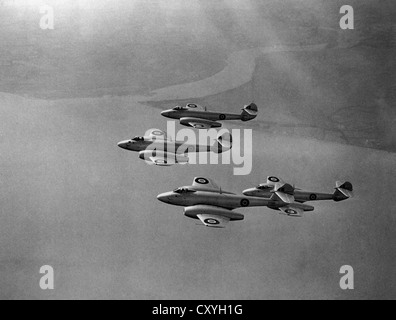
{"type": "Point", "coordinates": [286, 198]}
{"type": "Point", "coordinates": [211, 216]}
{"type": "Point", "coordinates": [199, 123]}
{"type": "Point", "coordinates": [213, 220]}
{"type": "Point", "coordinates": [204, 184]}
{"type": "Point", "coordinates": [157, 134]}
{"type": "Point", "coordinates": [275, 182]}
{"type": "Point", "coordinates": [195, 106]}
{"type": "Point", "coordinates": [343, 188]}
{"type": "Point", "coordinates": [166, 159]}
{"type": "Point", "coordinates": [292, 211]}
{"type": "Point", "coordinates": [162, 162]}
{"type": "Point", "coordinates": [283, 190]}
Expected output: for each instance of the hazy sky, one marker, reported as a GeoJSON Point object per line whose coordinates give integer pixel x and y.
{"type": "Point", "coordinates": [73, 200]}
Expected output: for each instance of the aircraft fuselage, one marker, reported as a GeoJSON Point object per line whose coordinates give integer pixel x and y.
{"type": "Point", "coordinates": [228, 201]}
{"type": "Point", "coordinates": [300, 196]}
{"type": "Point", "coordinates": [207, 115]}
{"type": "Point", "coordinates": [167, 146]}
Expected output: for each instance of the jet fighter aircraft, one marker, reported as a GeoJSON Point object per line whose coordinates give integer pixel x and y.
{"type": "Point", "coordinates": [162, 151]}
{"type": "Point", "coordinates": [198, 117]}
{"type": "Point", "coordinates": [205, 201]}
{"type": "Point", "coordinates": [293, 198]}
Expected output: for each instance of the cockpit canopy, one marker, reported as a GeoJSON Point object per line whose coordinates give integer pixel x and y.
{"type": "Point", "coordinates": [264, 187]}
{"type": "Point", "coordinates": [178, 108]}
{"type": "Point", "coordinates": [184, 191]}
{"type": "Point", "coordinates": [138, 139]}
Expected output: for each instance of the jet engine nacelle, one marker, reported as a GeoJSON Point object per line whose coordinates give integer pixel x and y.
{"type": "Point", "coordinates": [163, 158]}
{"type": "Point", "coordinates": [194, 211]}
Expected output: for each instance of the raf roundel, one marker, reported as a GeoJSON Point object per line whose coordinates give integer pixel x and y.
{"type": "Point", "coordinates": [158, 133]}
{"type": "Point", "coordinates": [291, 212]}
{"type": "Point", "coordinates": [273, 179]}
{"type": "Point", "coordinates": [313, 197]}
{"type": "Point", "coordinates": [245, 203]}
{"type": "Point", "coordinates": [212, 222]}
{"type": "Point", "coordinates": [202, 181]}
{"type": "Point", "coordinates": [222, 117]}
{"type": "Point", "coordinates": [192, 106]}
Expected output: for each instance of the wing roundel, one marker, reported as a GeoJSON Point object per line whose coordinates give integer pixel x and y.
{"type": "Point", "coordinates": [199, 123]}
{"type": "Point", "coordinates": [157, 134]}
{"type": "Point", "coordinates": [195, 106]}
{"type": "Point", "coordinates": [214, 221]}
{"type": "Point", "coordinates": [292, 211]}
{"type": "Point", "coordinates": [274, 181]}
{"type": "Point", "coordinates": [205, 183]}
{"type": "Point", "coordinates": [211, 216]}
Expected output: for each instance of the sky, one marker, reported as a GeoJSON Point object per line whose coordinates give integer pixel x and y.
{"type": "Point", "coordinates": [73, 200]}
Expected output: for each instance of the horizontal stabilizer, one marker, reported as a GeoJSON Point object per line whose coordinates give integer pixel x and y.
{"type": "Point", "coordinates": [252, 109]}
{"type": "Point", "coordinates": [223, 143]}
{"type": "Point", "coordinates": [249, 112]}
{"type": "Point", "coordinates": [344, 191]}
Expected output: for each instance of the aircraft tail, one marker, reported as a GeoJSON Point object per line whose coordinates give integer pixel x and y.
{"type": "Point", "coordinates": [249, 112]}
{"type": "Point", "coordinates": [344, 191]}
{"type": "Point", "coordinates": [223, 143]}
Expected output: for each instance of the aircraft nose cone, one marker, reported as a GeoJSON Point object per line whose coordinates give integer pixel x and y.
{"type": "Point", "coordinates": [163, 198]}
{"type": "Point", "coordinates": [165, 113]}
{"type": "Point", "coordinates": [123, 144]}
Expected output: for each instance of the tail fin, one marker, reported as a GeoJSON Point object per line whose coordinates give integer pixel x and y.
{"type": "Point", "coordinates": [223, 143]}
{"type": "Point", "coordinates": [249, 112]}
{"type": "Point", "coordinates": [344, 191]}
